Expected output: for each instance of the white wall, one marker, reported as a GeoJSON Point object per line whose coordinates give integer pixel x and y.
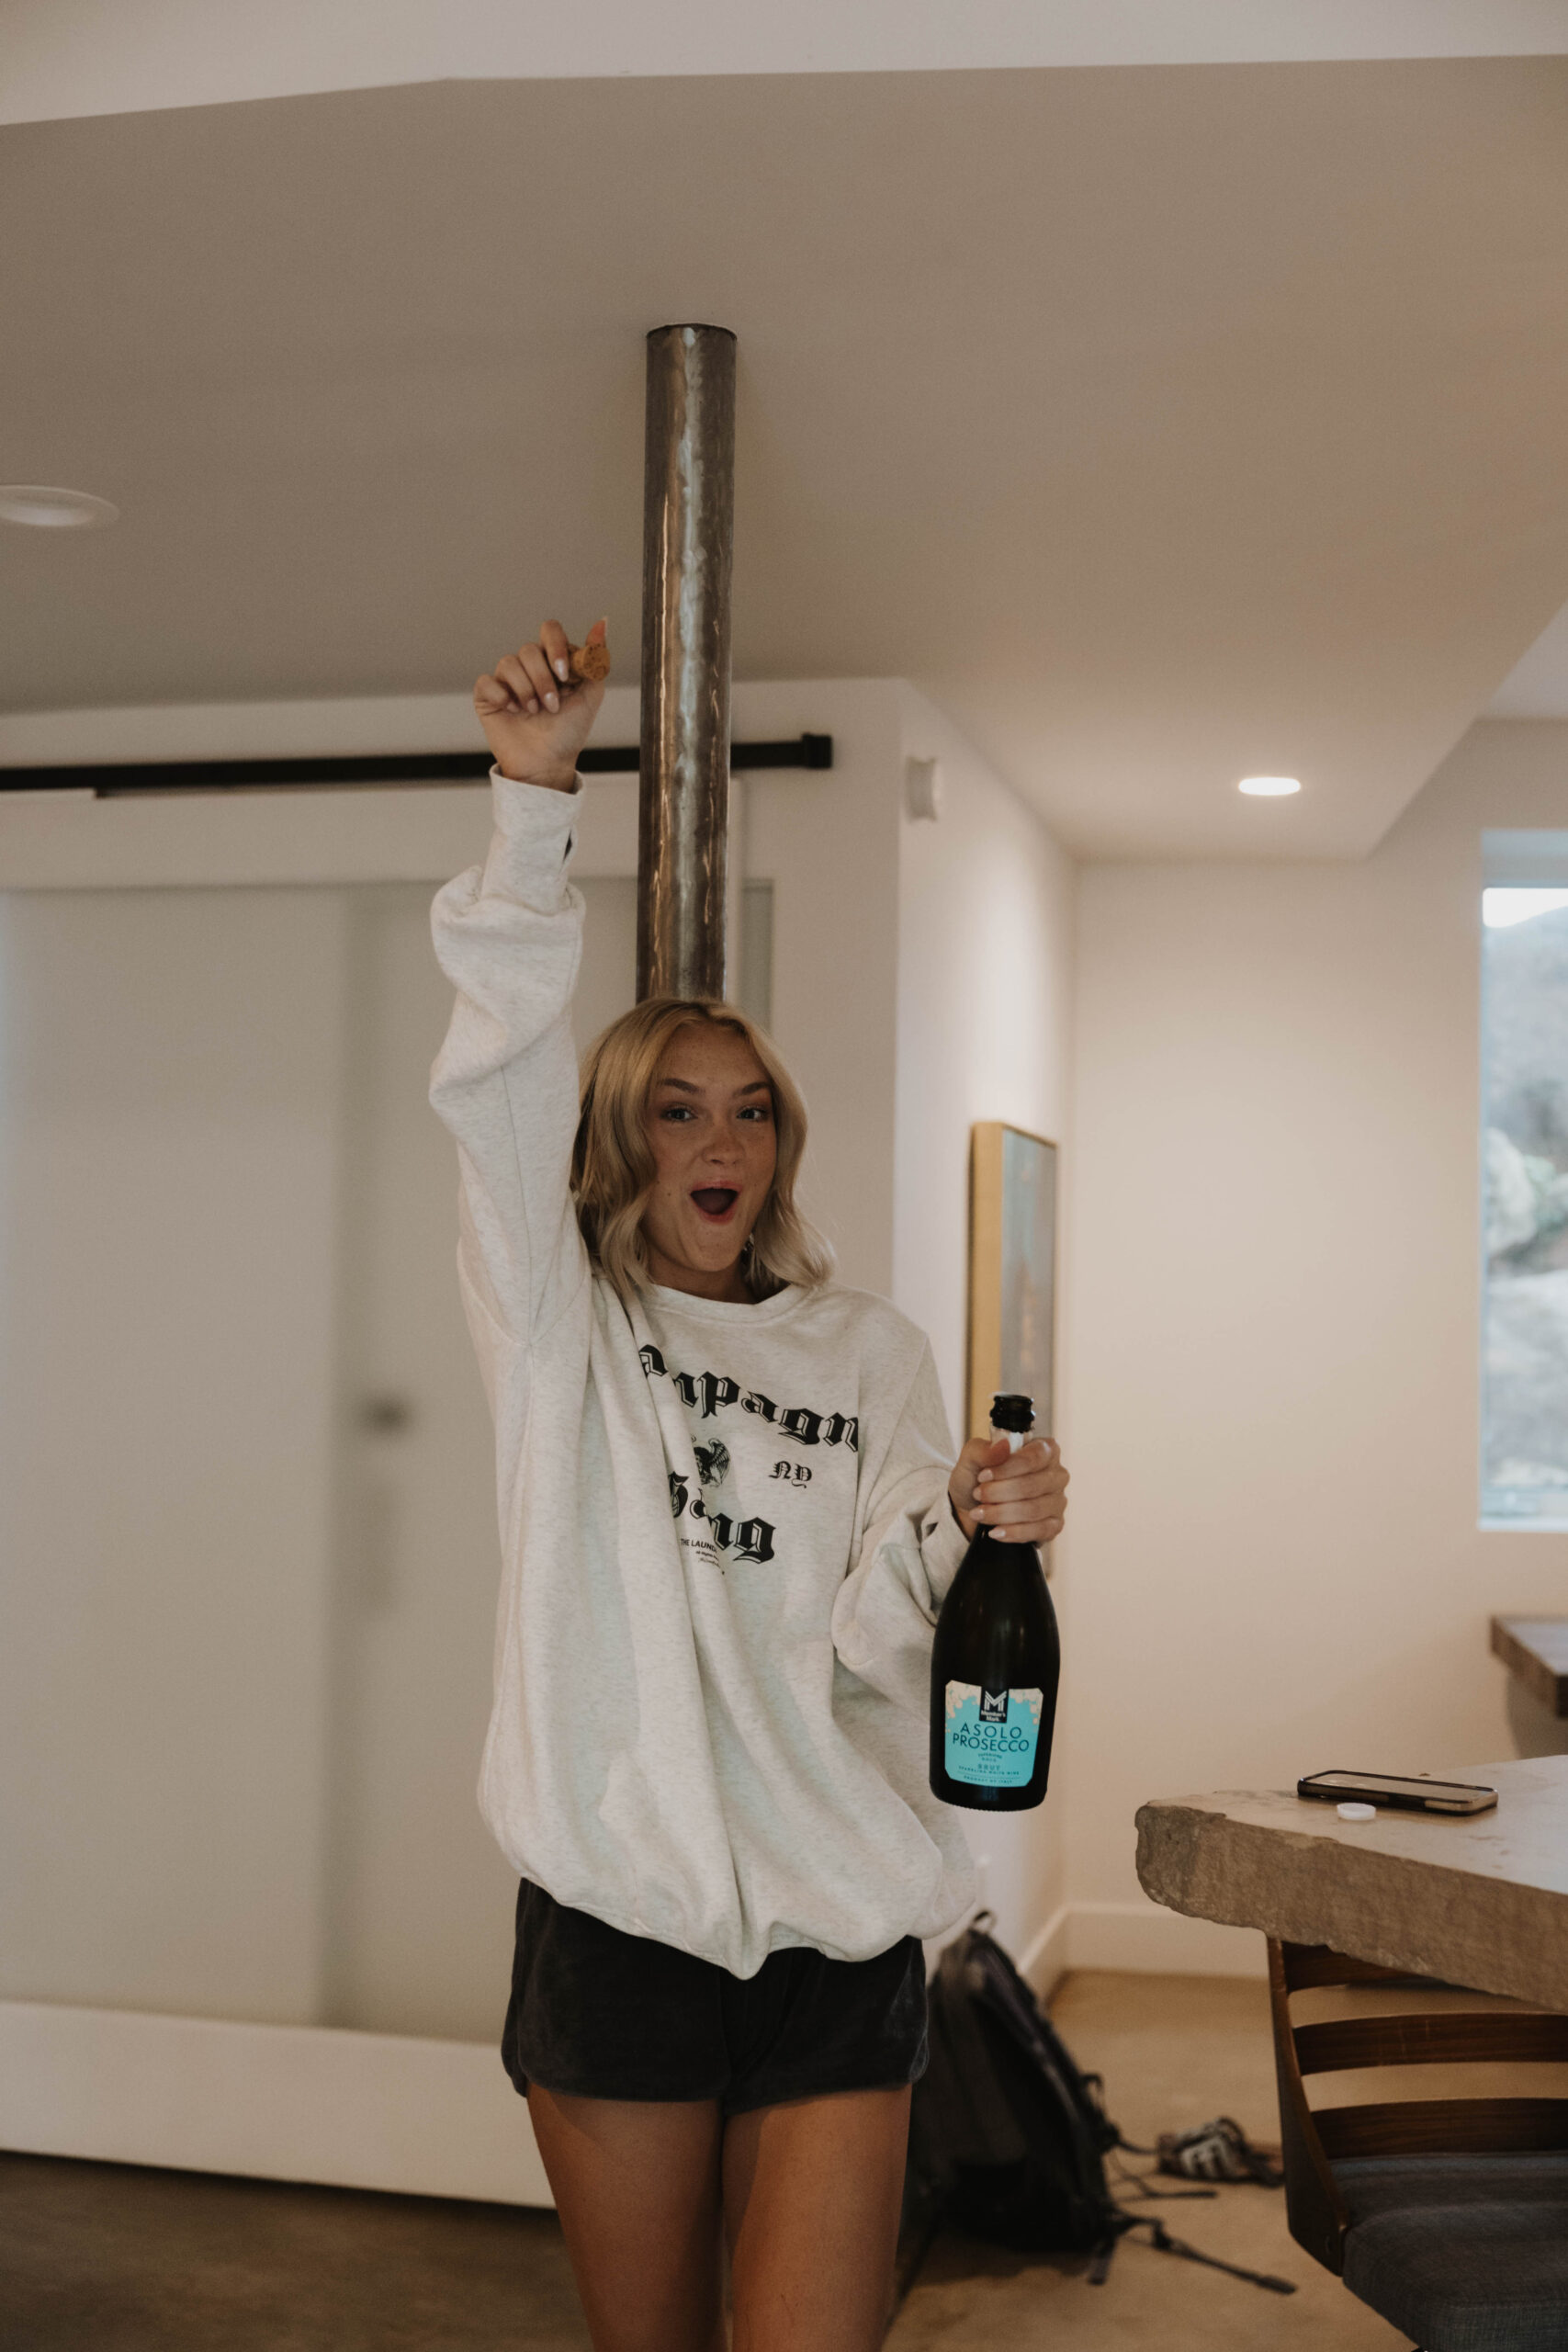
{"type": "Point", "coordinates": [74, 57]}
{"type": "Point", "coordinates": [829, 843]}
{"type": "Point", "coordinates": [920, 981]}
{"type": "Point", "coordinates": [212, 1806]}
{"type": "Point", "coordinates": [983, 1032]}
{"type": "Point", "coordinates": [985, 1012]}
{"type": "Point", "coordinates": [1272, 1338]}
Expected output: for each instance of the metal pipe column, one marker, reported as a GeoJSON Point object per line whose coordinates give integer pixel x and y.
{"type": "Point", "coordinates": [687, 529]}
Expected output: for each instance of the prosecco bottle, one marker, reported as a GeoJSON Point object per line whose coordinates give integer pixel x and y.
{"type": "Point", "coordinates": [995, 1664]}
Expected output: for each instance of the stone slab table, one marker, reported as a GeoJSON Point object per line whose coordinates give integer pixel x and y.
{"type": "Point", "coordinates": [1536, 1650]}
{"type": "Point", "coordinates": [1481, 1902]}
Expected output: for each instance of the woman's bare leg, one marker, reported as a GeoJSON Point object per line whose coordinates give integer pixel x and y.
{"type": "Point", "coordinates": [811, 2197]}
{"type": "Point", "coordinates": [637, 2184]}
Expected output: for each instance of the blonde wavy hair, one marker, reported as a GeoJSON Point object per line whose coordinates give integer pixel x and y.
{"type": "Point", "coordinates": [611, 1165]}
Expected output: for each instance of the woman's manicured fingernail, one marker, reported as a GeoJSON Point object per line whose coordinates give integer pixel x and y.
{"type": "Point", "coordinates": [983, 1478]}
{"type": "Point", "coordinates": [552, 702]}
{"type": "Point", "coordinates": [563, 669]}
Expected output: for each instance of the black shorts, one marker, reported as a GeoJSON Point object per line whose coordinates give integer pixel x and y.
{"type": "Point", "coordinates": [599, 2014]}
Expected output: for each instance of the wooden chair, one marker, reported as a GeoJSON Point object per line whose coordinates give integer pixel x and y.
{"type": "Point", "coordinates": [1449, 2215]}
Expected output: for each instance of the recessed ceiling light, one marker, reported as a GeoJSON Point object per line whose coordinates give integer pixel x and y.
{"type": "Point", "coordinates": [1269, 788]}
{"type": "Point", "coordinates": [53, 510]}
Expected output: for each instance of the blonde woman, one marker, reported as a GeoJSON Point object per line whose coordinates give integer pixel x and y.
{"type": "Point", "coordinates": [728, 1513]}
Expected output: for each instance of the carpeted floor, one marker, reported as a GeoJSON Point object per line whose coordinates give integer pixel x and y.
{"type": "Point", "coordinates": [108, 2258]}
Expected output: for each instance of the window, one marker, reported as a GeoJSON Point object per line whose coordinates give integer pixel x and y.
{"type": "Point", "coordinates": [1524, 1471]}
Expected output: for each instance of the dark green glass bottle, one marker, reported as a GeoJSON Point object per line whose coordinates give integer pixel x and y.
{"type": "Point", "coordinates": [995, 1665]}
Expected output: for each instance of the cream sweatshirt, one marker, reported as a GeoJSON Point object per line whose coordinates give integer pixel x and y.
{"type": "Point", "coordinates": [725, 1530]}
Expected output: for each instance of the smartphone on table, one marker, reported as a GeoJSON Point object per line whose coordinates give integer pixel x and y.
{"type": "Point", "coordinates": [1402, 1795]}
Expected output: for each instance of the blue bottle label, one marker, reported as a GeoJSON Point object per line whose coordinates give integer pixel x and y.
{"type": "Point", "coordinates": [992, 1736]}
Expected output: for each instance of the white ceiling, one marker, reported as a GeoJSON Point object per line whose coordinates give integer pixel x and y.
{"type": "Point", "coordinates": [63, 58]}
{"type": "Point", "coordinates": [1536, 685]}
{"type": "Point", "coordinates": [1165, 423]}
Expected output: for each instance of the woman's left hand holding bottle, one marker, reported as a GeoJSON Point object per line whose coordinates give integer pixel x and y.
{"type": "Point", "coordinates": [1022, 1497]}
{"type": "Point", "coordinates": [535, 721]}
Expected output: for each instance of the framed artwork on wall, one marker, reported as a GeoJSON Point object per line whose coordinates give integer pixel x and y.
{"type": "Point", "coordinates": [1013, 1272]}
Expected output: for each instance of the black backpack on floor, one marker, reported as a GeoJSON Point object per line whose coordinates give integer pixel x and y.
{"type": "Point", "coordinates": [1008, 2139]}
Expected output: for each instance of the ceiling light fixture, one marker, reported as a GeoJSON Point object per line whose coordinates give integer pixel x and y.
{"type": "Point", "coordinates": [45, 509]}
{"type": "Point", "coordinates": [1269, 788]}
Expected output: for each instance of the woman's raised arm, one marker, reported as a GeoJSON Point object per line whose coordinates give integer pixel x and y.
{"type": "Point", "coordinates": [508, 935]}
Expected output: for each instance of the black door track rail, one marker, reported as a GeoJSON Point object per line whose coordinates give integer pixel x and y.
{"type": "Point", "coordinates": [120, 778]}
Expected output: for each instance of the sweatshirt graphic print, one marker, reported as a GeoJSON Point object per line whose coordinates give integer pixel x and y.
{"type": "Point", "coordinates": [715, 1502]}
{"type": "Point", "coordinates": [724, 1531]}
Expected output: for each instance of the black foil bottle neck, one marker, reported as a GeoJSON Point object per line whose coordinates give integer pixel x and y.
{"type": "Point", "coordinates": [1011, 1415]}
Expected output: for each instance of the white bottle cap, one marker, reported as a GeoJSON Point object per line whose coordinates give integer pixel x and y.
{"type": "Point", "coordinates": [1357, 1812]}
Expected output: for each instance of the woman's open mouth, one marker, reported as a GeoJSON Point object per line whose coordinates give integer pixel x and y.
{"type": "Point", "coordinates": [716, 1202]}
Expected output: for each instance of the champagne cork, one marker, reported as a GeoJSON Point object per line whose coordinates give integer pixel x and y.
{"type": "Point", "coordinates": [588, 664]}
